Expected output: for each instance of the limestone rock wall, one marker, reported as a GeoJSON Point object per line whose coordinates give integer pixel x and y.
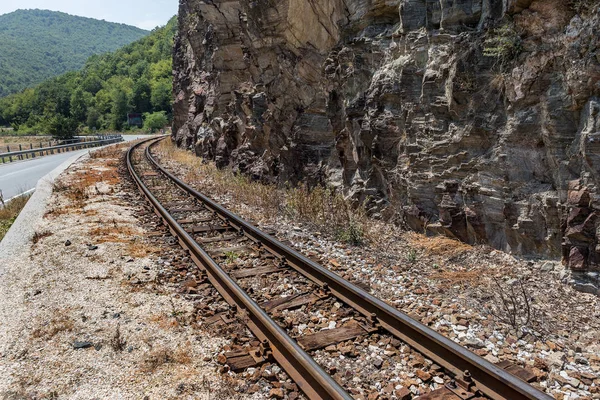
{"type": "Point", "coordinates": [396, 103]}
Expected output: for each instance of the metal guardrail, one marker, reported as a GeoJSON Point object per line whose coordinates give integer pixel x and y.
{"type": "Point", "coordinates": [33, 146]}
{"type": "Point", "coordinates": [20, 155]}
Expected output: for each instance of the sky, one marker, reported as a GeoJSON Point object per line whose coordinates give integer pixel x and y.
{"type": "Point", "coordinates": [145, 14]}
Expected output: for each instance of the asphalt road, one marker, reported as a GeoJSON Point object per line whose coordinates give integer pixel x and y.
{"type": "Point", "coordinates": [22, 176]}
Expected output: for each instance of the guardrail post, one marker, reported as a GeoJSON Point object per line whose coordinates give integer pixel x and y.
{"type": "Point", "coordinates": [33, 151]}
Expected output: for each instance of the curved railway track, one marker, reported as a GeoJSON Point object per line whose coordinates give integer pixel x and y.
{"type": "Point", "coordinates": [213, 236]}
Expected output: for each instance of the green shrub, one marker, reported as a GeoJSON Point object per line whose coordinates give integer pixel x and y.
{"type": "Point", "coordinates": [155, 121]}
{"type": "Point", "coordinates": [351, 234]}
{"type": "Point", "coordinates": [412, 256]}
{"type": "Point", "coordinates": [61, 127]}
{"type": "Point", "coordinates": [503, 43]}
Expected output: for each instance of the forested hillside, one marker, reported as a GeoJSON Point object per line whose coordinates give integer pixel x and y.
{"type": "Point", "coordinates": [38, 44]}
{"type": "Point", "coordinates": [136, 78]}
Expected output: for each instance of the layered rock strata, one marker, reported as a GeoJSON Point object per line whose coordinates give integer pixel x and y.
{"type": "Point", "coordinates": [477, 119]}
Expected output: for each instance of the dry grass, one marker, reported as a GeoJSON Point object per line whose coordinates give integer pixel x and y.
{"type": "Point", "coordinates": [78, 188]}
{"type": "Point", "coordinates": [55, 211]}
{"type": "Point", "coordinates": [15, 140]}
{"type": "Point", "coordinates": [60, 321]}
{"type": "Point", "coordinates": [111, 155]}
{"type": "Point", "coordinates": [104, 174]}
{"type": "Point", "coordinates": [118, 342]}
{"type": "Point", "coordinates": [139, 249]}
{"type": "Point", "coordinates": [37, 236]}
{"type": "Point", "coordinates": [76, 193]}
{"type": "Point", "coordinates": [161, 355]}
{"type": "Point", "coordinates": [113, 233]}
{"type": "Point", "coordinates": [463, 278]}
{"type": "Point", "coordinates": [322, 208]}
{"type": "Point", "coordinates": [9, 213]}
{"type": "Point", "coordinates": [440, 246]}
{"type": "Point", "coordinates": [165, 322]}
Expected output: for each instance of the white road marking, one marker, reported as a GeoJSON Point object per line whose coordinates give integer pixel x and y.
{"type": "Point", "coordinates": [19, 195]}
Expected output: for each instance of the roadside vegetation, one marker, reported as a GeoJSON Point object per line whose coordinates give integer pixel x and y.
{"type": "Point", "coordinates": [24, 140]}
{"type": "Point", "coordinates": [134, 79]}
{"type": "Point", "coordinates": [323, 209]}
{"type": "Point", "coordinates": [9, 213]}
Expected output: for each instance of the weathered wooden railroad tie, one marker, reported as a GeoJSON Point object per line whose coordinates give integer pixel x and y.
{"type": "Point", "coordinates": [240, 261]}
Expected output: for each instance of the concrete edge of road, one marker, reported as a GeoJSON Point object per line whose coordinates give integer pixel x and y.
{"type": "Point", "coordinates": [19, 235]}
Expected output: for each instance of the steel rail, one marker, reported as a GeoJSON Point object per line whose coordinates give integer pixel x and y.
{"type": "Point", "coordinates": [307, 374]}
{"type": "Point", "coordinates": [491, 380]}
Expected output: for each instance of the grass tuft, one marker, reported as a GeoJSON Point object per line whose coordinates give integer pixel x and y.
{"type": "Point", "coordinates": [162, 355]}
{"type": "Point", "coordinates": [60, 321]}
{"type": "Point", "coordinates": [9, 213]}
{"type": "Point", "coordinates": [438, 245]}
{"type": "Point", "coordinates": [37, 236]}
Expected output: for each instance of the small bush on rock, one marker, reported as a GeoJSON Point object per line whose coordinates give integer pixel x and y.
{"type": "Point", "coordinates": [503, 43]}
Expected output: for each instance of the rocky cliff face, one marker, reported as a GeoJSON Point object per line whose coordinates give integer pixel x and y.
{"type": "Point", "coordinates": [477, 119]}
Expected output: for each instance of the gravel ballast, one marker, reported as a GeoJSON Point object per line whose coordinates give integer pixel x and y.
{"type": "Point", "coordinates": [498, 306]}
{"type": "Point", "coordinates": [81, 314]}
{"type": "Point", "coordinates": [93, 307]}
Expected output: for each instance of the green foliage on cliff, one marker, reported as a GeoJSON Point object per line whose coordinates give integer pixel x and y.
{"type": "Point", "coordinates": [136, 78]}
{"type": "Point", "coordinates": [37, 44]}
{"type": "Point", "coordinates": [503, 43]}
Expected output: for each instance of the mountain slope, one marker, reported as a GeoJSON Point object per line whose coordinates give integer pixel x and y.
{"type": "Point", "coordinates": [136, 78]}
{"type": "Point", "coordinates": [38, 44]}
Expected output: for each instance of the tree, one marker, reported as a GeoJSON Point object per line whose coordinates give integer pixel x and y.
{"type": "Point", "coordinates": [92, 84]}
{"type": "Point", "coordinates": [139, 69]}
{"type": "Point", "coordinates": [141, 96]}
{"type": "Point", "coordinates": [78, 105]}
{"type": "Point", "coordinates": [162, 97]}
{"type": "Point", "coordinates": [61, 127]}
{"type": "Point", "coordinates": [136, 78]}
{"type": "Point", "coordinates": [162, 69]}
{"type": "Point", "coordinates": [93, 118]}
{"type": "Point", "coordinates": [119, 109]}
{"type": "Point", "coordinates": [155, 121]}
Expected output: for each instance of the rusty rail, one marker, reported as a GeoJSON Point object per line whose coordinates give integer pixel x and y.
{"type": "Point", "coordinates": [471, 371]}
{"type": "Point", "coordinates": [307, 374]}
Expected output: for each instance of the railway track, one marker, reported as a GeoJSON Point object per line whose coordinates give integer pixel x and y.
{"type": "Point", "coordinates": [241, 261]}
